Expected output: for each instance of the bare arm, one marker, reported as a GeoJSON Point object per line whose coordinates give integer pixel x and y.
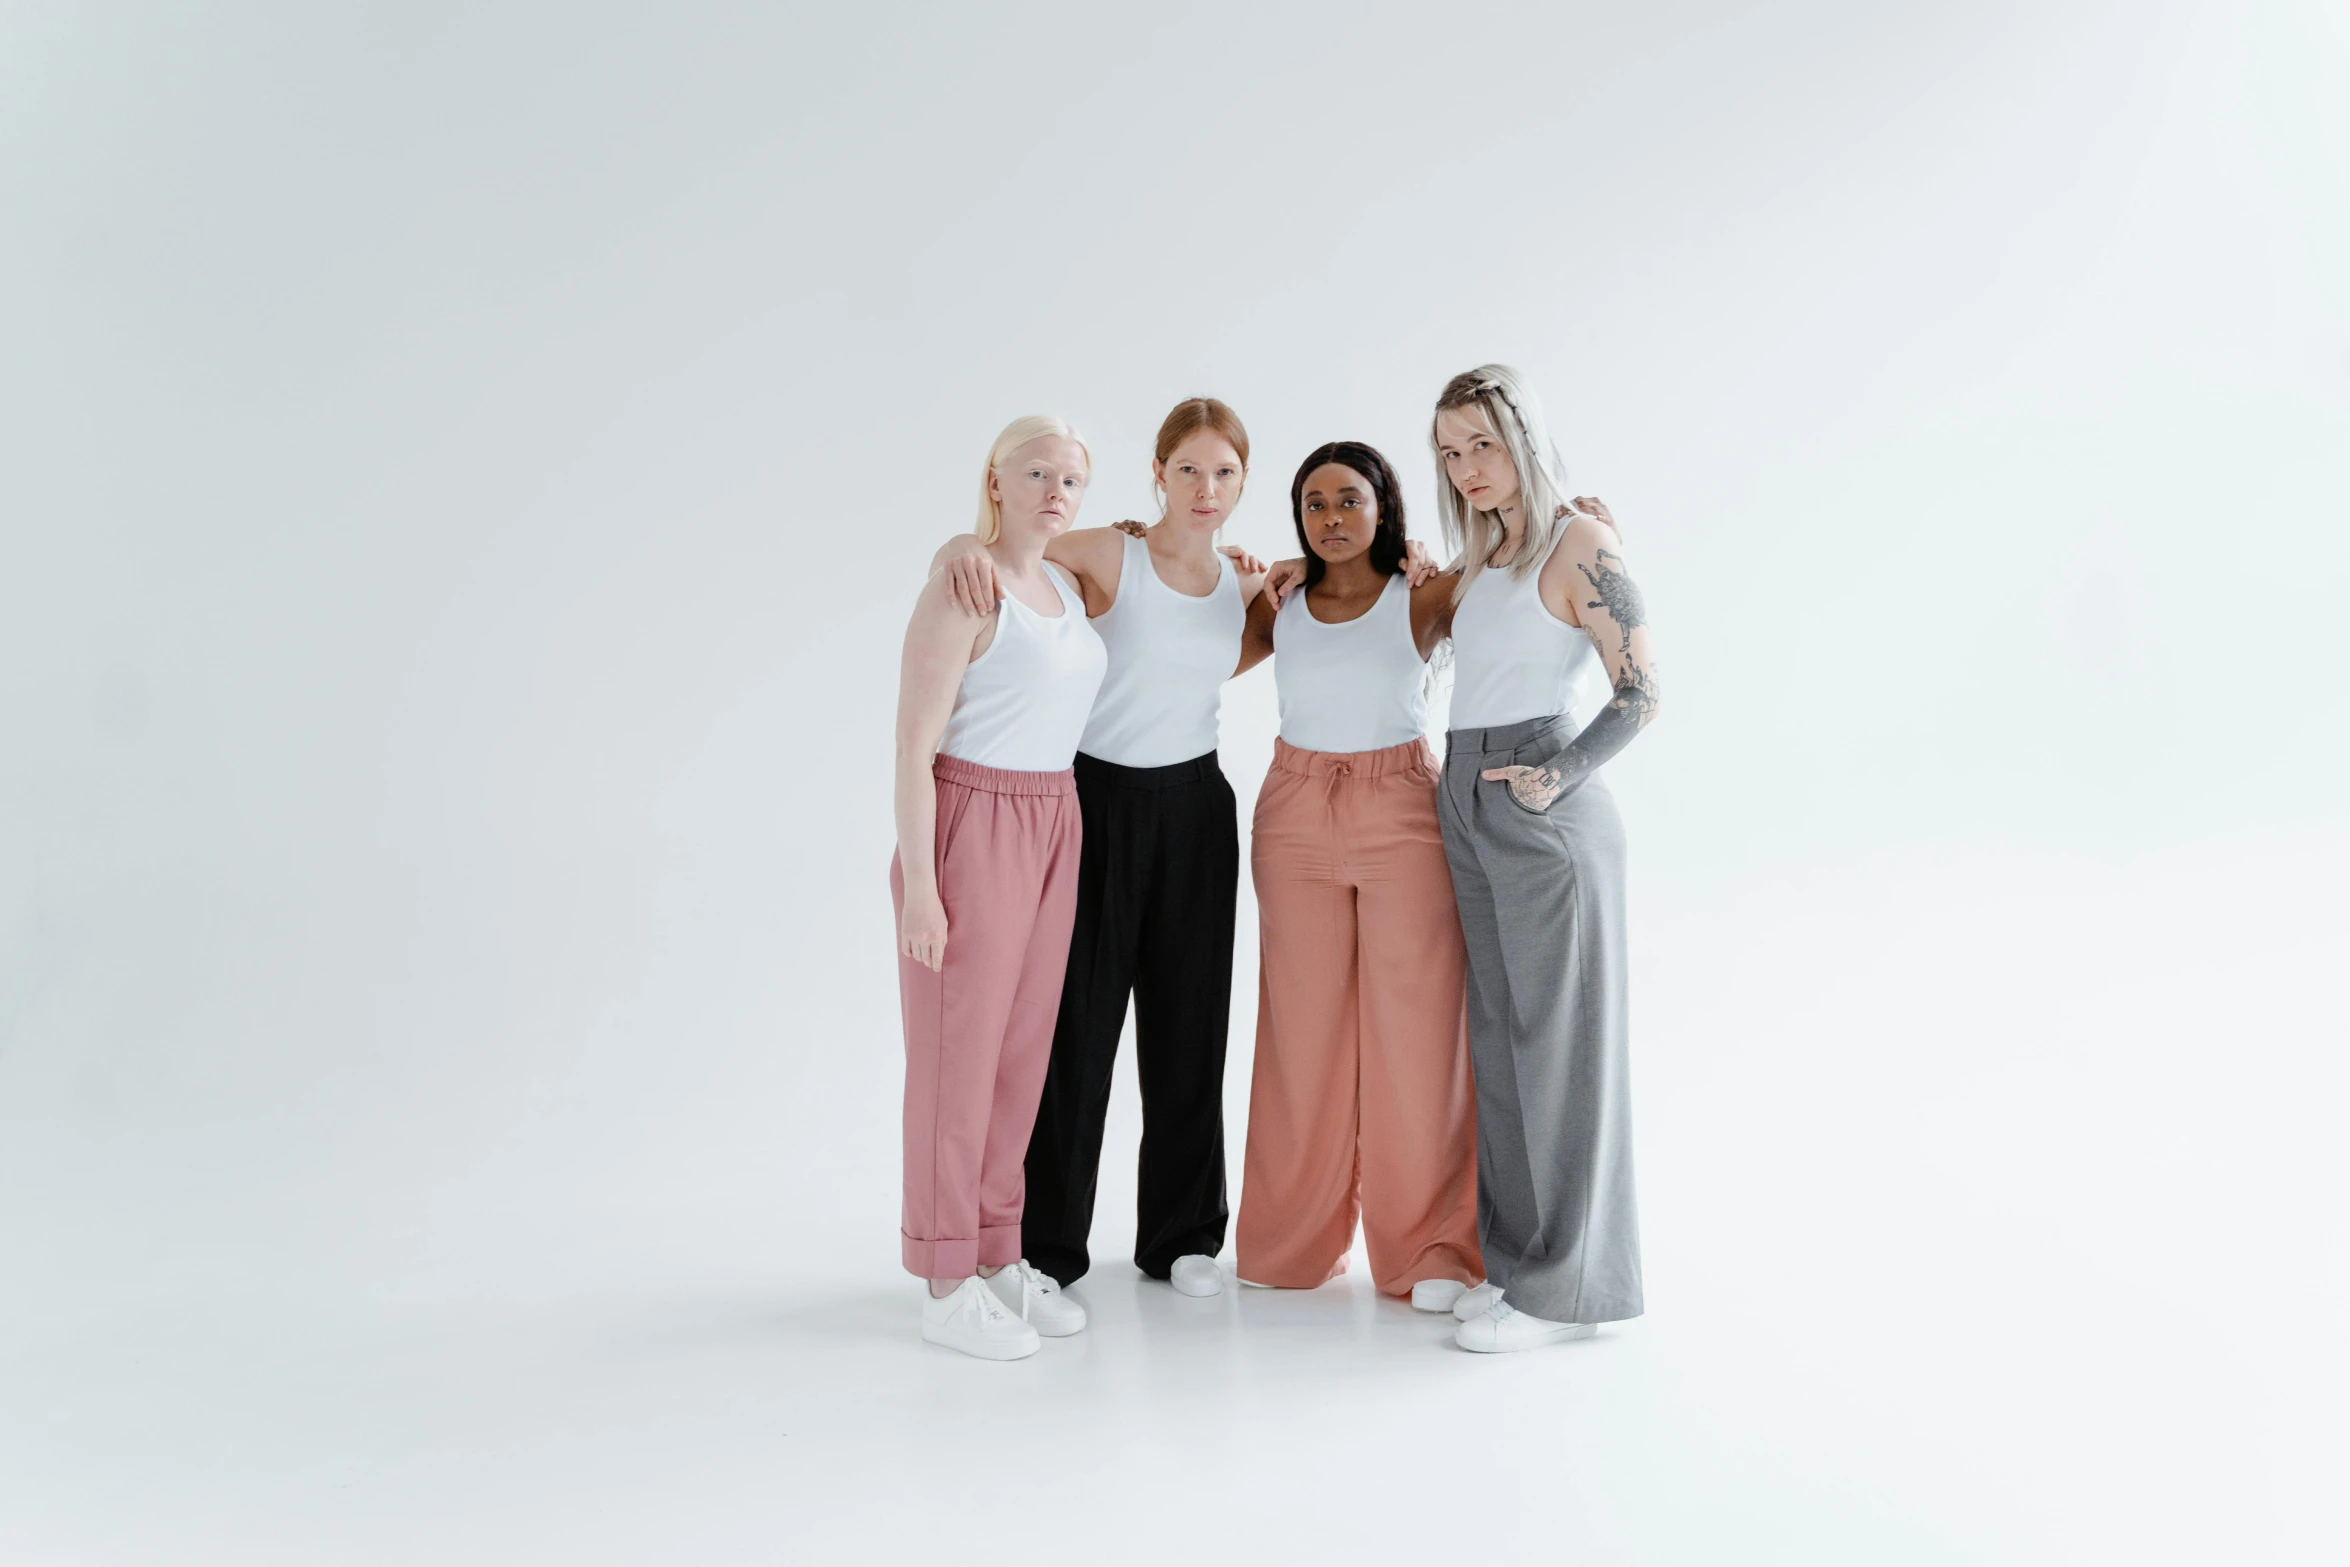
{"type": "Point", "coordinates": [1256, 637]}
{"type": "Point", "coordinates": [941, 640]}
{"type": "Point", "coordinates": [1091, 555]}
{"type": "Point", "coordinates": [1432, 610]}
{"type": "Point", "coordinates": [1608, 605]}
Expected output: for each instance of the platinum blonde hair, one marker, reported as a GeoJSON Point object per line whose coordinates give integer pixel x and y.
{"type": "Point", "coordinates": [1510, 407]}
{"type": "Point", "coordinates": [1013, 436]}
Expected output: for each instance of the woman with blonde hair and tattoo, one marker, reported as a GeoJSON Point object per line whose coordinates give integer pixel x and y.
{"type": "Point", "coordinates": [1537, 856]}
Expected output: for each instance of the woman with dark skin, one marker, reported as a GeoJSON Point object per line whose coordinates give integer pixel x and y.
{"type": "Point", "coordinates": [1361, 1095]}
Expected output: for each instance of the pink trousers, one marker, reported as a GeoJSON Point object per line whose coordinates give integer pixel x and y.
{"type": "Point", "coordinates": [1362, 1094]}
{"type": "Point", "coordinates": [979, 1030]}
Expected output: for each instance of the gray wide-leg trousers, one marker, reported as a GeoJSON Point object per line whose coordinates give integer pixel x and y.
{"type": "Point", "coordinates": [1542, 904]}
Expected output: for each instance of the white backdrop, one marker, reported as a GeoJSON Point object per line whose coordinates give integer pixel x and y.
{"type": "Point", "coordinates": [464, 469]}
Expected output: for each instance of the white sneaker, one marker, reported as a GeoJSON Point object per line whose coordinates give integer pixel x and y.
{"type": "Point", "coordinates": [1505, 1328]}
{"type": "Point", "coordinates": [1036, 1299]}
{"type": "Point", "coordinates": [1476, 1302]}
{"type": "Point", "coordinates": [1196, 1275]}
{"type": "Point", "coordinates": [975, 1322]}
{"type": "Point", "coordinates": [1437, 1294]}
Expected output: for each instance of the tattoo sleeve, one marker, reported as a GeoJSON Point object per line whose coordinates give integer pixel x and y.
{"type": "Point", "coordinates": [1626, 715]}
{"type": "Point", "coordinates": [1618, 594]}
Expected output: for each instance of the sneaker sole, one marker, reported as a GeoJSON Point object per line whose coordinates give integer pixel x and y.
{"type": "Point", "coordinates": [1554, 1336]}
{"type": "Point", "coordinates": [983, 1350]}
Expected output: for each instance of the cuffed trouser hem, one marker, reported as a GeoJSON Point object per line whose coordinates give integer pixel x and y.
{"type": "Point", "coordinates": [979, 1027]}
{"type": "Point", "coordinates": [999, 1246]}
{"type": "Point", "coordinates": [996, 1247]}
{"type": "Point", "coordinates": [939, 1259]}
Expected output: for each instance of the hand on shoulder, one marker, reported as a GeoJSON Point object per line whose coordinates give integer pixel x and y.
{"type": "Point", "coordinates": [1589, 514]}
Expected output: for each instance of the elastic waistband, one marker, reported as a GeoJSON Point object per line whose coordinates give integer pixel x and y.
{"type": "Point", "coordinates": [1506, 737]}
{"type": "Point", "coordinates": [1000, 780]}
{"type": "Point", "coordinates": [1402, 758]}
{"type": "Point", "coordinates": [1096, 771]}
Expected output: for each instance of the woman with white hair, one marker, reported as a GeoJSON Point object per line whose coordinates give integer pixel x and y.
{"type": "Point", "coordinates": [1537, 856]}
{"type": "Point", "coordinates": [1160, 874]}
{"type": "Point", "coordinates": [990, 708]}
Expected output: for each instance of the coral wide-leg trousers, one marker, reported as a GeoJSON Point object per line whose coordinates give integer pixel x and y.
{"type": "Point", "coordinates": [1362, 1088]}
{"type": "Point", "coordinates": [979, 1030]}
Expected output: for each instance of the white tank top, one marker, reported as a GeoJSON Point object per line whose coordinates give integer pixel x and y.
{"type": "Point", "coordinates": [1170, 655]}
{"type": "Point", "coordinates": [1024, 701]}
{"type": "Point", "coordinates": [1355, 686]}
{"type": "Point", "coordinates": [1512, 659]}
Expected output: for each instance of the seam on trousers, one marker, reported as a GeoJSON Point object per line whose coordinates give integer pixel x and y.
{"type": "Point", "coordinates": [1591, 1184]}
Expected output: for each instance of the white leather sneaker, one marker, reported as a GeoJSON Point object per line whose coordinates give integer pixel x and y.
{"type": "Point", "coordinates": [1476, 1302]}
{"type": "Point", "coordinates": [1504, 1328]}
{"type": "Point", "coordinates": [1437, 1294]}
{"type": "Point", "coordinates": [1196, 1275]}
{"type": "Point", "coordinates": [1036, 1299]}
{"type": "Point", "coordinates": [975, 1322]}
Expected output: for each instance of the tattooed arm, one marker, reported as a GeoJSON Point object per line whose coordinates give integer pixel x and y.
{"type": "Point", "coordinates": [1588, 583]}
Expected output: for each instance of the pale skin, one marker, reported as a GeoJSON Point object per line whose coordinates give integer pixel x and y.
{"type": "Point", "coordinates": [1585, 583]}
{"type": "Point", "coordinates": [1340, 508]}
{"type": "Point", "coordinates": [1203, 478]}
{"type": "Point", "coordinates": [1037, 489]}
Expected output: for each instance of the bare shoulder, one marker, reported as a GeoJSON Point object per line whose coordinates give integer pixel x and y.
{"type": "Point", "coordinates": [1083, 549]}
{"type": "Point", "coordinates": [1585, 539]}
{"type": "Point", "coordinates": [1438, 589]}
{"type": "Point", "coordinates": [939, 617]}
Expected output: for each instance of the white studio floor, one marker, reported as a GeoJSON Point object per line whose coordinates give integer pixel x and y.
{"type": "Point", "coordinates": [756, 1420]}
{"type": "Point", "coordinates": [2041, 1271]}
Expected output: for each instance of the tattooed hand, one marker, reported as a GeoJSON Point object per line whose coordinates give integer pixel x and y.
{"type": "Point", "coordinates": [1617, 624]}
{"type": "Point", "coordinates": [1535, 788]}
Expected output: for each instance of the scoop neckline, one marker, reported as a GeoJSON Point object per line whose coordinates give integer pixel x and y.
{"type": "Point", "coordinates": [1152, 566]}
{"type": "Point", "coordinates": [1305, 596]}
{"type": "Point", "coordinates": [1058, 593]}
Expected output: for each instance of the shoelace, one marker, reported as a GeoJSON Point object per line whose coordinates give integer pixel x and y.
{"type": "Point", "coordinates": [990, 1308]}
{"type": "Point", "coordinates": [1021, 1271]}
{"type": "Point", "coordinates": [1034, 1284]}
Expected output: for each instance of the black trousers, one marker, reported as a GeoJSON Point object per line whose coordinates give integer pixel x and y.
{"type": "Point", "coordinates": [1156, 883]}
